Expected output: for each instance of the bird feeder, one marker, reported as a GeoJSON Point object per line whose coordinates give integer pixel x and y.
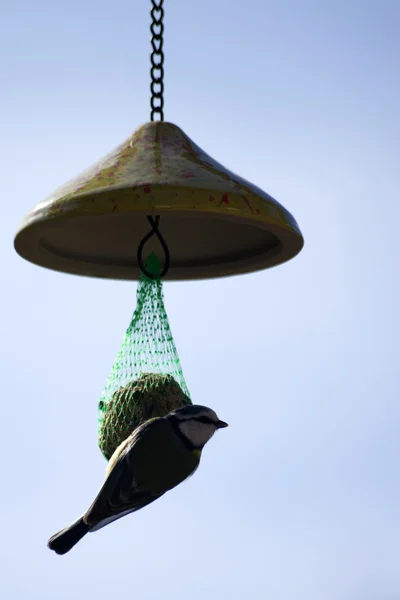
{"type": "Point", "coordinates": [210, 223]}
{"type": "Point", "coordinates": [215, 223]}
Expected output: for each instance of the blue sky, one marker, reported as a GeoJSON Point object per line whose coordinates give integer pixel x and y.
{"type": "Point", "coordinates": [300, 497]}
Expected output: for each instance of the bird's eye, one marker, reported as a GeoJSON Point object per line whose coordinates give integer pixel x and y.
{"type": "Point", "coordinates": [205, 420]}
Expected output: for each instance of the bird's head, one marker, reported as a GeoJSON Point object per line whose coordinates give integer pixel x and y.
{"type": "Point", "coordinates": [197, 423]}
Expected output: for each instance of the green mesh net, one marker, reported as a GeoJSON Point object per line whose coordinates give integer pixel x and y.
{"type": "Point", "coordinates": [146, 379]}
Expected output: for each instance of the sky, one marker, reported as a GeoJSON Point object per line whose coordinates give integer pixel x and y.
{"type": "Point", "coordinates": [299, 498]}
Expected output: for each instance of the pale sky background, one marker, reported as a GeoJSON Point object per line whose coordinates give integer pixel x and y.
{"type": "Point", "coordinates": [299, 499]}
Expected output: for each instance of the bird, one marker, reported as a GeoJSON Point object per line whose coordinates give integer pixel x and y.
{"type": "Point", "coordinates": [157, 456]}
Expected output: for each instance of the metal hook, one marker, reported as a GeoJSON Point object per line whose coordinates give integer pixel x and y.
{"type": "Point", "coordinates": [154, 231]}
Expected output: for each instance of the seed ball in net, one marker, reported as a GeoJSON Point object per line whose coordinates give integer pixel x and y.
{"type": "Point", "coordinates": [151, 395]}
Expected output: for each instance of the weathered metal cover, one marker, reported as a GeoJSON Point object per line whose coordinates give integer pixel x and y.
{"type": "Point", "coordinates": [214, 222]}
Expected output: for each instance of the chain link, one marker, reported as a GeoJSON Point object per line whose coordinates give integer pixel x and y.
{"type": "Point", "coordinates": [157, 60]}
{"type": "Point", "coordinates": [157, 108]}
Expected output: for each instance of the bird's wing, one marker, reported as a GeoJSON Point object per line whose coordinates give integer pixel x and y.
{"type": "Point", "coordinates": [140, 502]}
{"type": "Point", "coordinates": [121, 492]}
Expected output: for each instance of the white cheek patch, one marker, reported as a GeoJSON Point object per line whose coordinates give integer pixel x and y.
{"type": "Point", "coordinates": [197, 433]}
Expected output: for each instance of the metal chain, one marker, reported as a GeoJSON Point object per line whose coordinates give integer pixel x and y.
{"type": "Point", "coordinates": [157, 60]}
{"type": "Point", "coordinates": [157, 107]}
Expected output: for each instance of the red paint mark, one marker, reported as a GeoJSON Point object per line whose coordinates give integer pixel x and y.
{"type": "Point", "coordinates": [147, 189]}
{"type": "Point", "coordinates": [211, 198]}
{"type": "Point", "coordinates": [137, 196]}
{"type": "Point", "coordinates": [249, 205]}
{"type": "Point", "coordinates": [111, 174]}
{"type": "Point", "coordinates": [224, 199]}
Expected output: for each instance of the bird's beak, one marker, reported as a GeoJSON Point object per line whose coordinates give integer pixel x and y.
{"type": "Point", "coordinates": [221, 424]}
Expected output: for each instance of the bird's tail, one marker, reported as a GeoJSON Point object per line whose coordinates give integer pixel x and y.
{"type": "Point", "coordinates": [62, 541]}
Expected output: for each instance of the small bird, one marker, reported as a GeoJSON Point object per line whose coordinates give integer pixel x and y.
{"type": "Point", "coordinates": [156, 457]}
